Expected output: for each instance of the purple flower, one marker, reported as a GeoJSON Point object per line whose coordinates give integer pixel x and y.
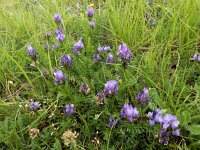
{"type": "Point", "coordinates": [69, 109]}
{"type": "Point", "coordinates": [60, 78]}
{"type": "Point", "coordinates": [84, 88]}
{"type": "Point", "coordinates": [60, 37]}
{"type": "Point", "coordinates": [170, 121]}
{"type": "Point", "coordinates": [55, 46]}
{"type": "Point", "coordinates": [110, 59]}
{"type": "Point", "coordinates": [129, 112]}
{"type": "Point", "coordinates": [34, 106]}
{"type": "Point", "coordinates": [47, 35]}
{"type": "Point", "coordinates": [92, 24]}
{"type": "Point", "coordinates": [90, 12]}
{"type": "Point", "coordinates": [111, 87]}
{"type": "Point", "coordinates": [66, 60]}
{"type": "Point", "coordinates": [195, 57]}
{"type": "Point", "coordinates": [46, 46]}
{"type": "Point", "coordinates": [124, 53]}
{"type": "Point", "coordinates": [31, 52]}
{"type": "Point", "coordinates": [143, 97]}
{"type": "Point", "coordinates": [176, 132]}
{"type": "Point", "coordinates": [164, 137]}
{"type": "Point", "coordinates": [103, 49]}
{"type": "Point", "coordinates": [78, 46]}
{"type": "Point", "coordinates": [58, 31]}
{"type": "Point", "coordinates": [57, 17]}
{"type": "Point", "coordinates": [100, 98]}
{"type": "Point", "coordinates": [155, 117]}
{"type": "Point", "coordinates": [97, 58]}
{"type": "Point", "coordinates": [112, 122]}
{"type": "Point", "coordinates": [60, 34]}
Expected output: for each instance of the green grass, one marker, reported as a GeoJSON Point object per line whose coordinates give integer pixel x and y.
{"type": "Point", "coordinates": [161, 62]}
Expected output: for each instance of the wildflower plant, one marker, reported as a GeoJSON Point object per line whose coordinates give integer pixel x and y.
{"type": "Point", "coordinates": [83, 97]}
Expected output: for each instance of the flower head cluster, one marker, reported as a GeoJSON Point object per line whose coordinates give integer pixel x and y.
{"type": "Point", "coordinates": [110, 59]}
{"type": "Point", "coordinates": [60, 36]}
{"type": "Point", "coordinates": [55, 46]}
{"type": "Point", "coordinates": [196, 56]}
{"type": "Point", "coordinates": [111, 87]}
{"type": "Point", "coordinates": [78, 46]}
{"type": "Point", "coordinates": [112, 122]}
{"type": "Point", "coordinates": [34, 106]}
{"type": "Point", "coordinates": [143, 97]}
{"type": "Point", "coordinates": [90, 12]}
{"type": "Point", "coordinates": [97, 58]}
{"type": "Point", "coordinates": [47, 35]}
{"type": "Point", "coordinates": [60, 78]}
{"type": "Point", "coordinates": [124, 53]}
{"type": "Point", "coordinates": [69, 109]}
{"type": "Point", "coordinates": [168, 122]}
{"type": "Point", "coordinates": [92, 24]}
{"type": "Point", "coordinates": [129, 112]}
{"type": "Point", "coordinates": [100, 98]}
{"type": "Point", "coordinates": [84, 88]}
{"type": "Point", "coordinates": [69, 137]}
{"type": "Point", "coordinates": [155, 117]}
{"type": "Point", "coordinates": [57, 18]}
{"type": "Point", "coordinates": [66, 61]}
{"type": "Point", "coordinates": [32, 52]}
{"type": "Point", "coordinates": [33, 133]}
{"type": "Point", "coordinates": [103, 49]}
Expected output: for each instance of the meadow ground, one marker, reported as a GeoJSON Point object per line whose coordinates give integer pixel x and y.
{"type": "Point", "coordinates": [145, 95]}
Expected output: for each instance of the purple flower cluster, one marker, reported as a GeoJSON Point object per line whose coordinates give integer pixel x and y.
{"type": "Point", "coordinates": [60, 78]}
{"type": "Point", "coordinates": [112, 122]}
{"type": "Point", "coordinates": [124, 53]}
{"type": "Point", "coordinates": [60, 36]}
{"type": "Point", "coordinates": [66, 60]}
{"type": "Point", "coordinates": [103, 49]}
{"type": "Point", "coordinates": [92, 24]}
{"type": "Point", "coordinates": [84, 88]}
{"type": "Point", "coordinates": [196, 56]}
{"type": "Point", "coordinates": [143, 97]}
{"type": "Point", "coordinates": [97, 58]}
{"type": "Point", "coordinates": [78, 46]}
{"type": "Point", "coordinates": [168, 122]}
{"type": "Point", "coordinates": [110, 59]}
{"type": "Point", "coordinates": [100, 98]}
{"type": "Point", "coordinates": [129, 112]}
{"type": "Point", "coordinates": [34, 106]}
{"type": "Point", "coordinates": [69, 109]}
{"type": "Point", "coordinates": [111, 87]}
{"type": "Point", "coordinates": [57, 18]}
{"type": "Point", "coordinates": [32, 52]}
{"type": "Point", "coordinates": [90, 12]}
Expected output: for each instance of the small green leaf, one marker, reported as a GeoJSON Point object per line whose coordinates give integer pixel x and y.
{"type": "Point", "coordinates": [185, 117]}
{"type": "Point", "coordinates": [194, 129]}
{"type": "Point", "coordinates": [57, 145]}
